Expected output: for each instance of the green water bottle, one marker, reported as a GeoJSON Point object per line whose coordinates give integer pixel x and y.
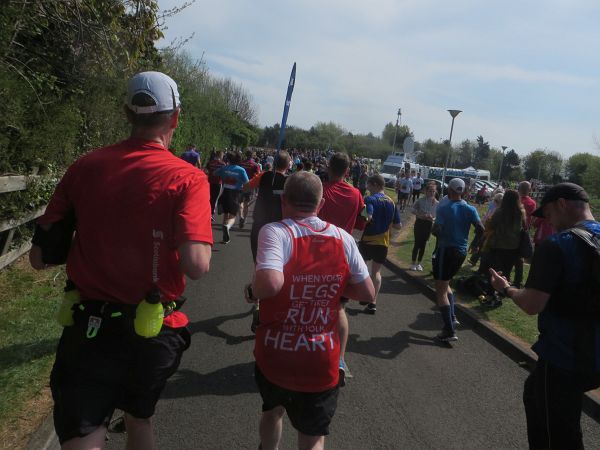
{"type": "Point", "coordinates": [64, 315]}
{"type": "Point", "coordinates": [149, 315]}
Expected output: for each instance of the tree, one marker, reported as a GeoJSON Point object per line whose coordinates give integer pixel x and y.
{"type": "Point", "coordinates": [464, 154]}
{"type": "Point", "coordinates": [577, 165]}
{"type": "Point", "coordinates": [327, 134]}
{"type": "Point", "coordinates": [543, 165]}
{"type": "Point", "coordinates": [387, 135]}
{"type": "Point", "coordinates": [511, 165]}
{"type": "Point", "coordinates": [481, 153]}
{"type": "Point", "coordinates": [591, 177]}
{"type": "Point", "coordinates": [62, 69]}
{"type": "Point", "coordinates": [210, 118]}
{"type": "Point", "coordinates": [433, 153]}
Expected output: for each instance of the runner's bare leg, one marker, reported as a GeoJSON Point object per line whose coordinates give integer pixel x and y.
{"type": "Point", "coordinates": [139, 433]}
{"type": "Point", "coordinates": [93, 441]}
{"type": "Point", "coordinates": [376, 277]}
{"type": "Point", "coordinates": [271, 427]}
{"type": "Point", "coordinates": [343, 330]}
{"type": "Point", "coordinates": [306, 442]}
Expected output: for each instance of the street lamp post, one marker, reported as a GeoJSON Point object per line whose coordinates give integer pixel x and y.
{"type": "Point", "coordinates": [453, 113]}
{"type": "Point", "coordinates": [396, 130]}
{"type": "Point", "coordinates": [504, 147]}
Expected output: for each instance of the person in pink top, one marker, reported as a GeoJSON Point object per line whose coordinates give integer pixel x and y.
{"type": "Point", "coordinates": [529, 205]}
{"type": "Point", "coordinates": [543, 230]}
{"type": "Point", "coordinates": [343, 204]}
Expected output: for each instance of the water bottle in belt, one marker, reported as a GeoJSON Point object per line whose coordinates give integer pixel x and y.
{"type": "Point", "coordinates": [64, 315]}
{"type": "Point", "coordinates": [149, 315]}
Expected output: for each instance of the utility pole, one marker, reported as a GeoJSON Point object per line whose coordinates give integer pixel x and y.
{"type": "Point", "coordinates": [504, 147]}
{"type": "Point", "coordinates": [396, 131]}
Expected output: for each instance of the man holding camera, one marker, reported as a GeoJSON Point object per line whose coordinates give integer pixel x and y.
{"type": "Point", "coordinates": [563, 288]}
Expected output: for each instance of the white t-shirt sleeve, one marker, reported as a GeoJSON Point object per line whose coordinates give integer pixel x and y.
{"type": "Point", "coordinates": [274, 247]}
{"type": "Point", "coordinates": [358, 269]}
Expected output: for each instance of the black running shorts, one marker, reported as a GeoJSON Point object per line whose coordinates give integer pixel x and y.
{"type": "Point", "coordinates": [230, 201]}
{"type": "Point", "coordinates": [377, 253]}
{"type": "Point", "coordinates": [446, 262]}
{"type": "Point", "coordinates": [309, 412]}
{"type": "Point", "coordinates": [114, 369]}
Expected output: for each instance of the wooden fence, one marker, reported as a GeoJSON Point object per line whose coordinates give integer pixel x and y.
{"type": "Point", "coordinates": [8, 227]}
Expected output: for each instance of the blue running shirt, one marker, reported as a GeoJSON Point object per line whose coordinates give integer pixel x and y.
{"type": "Point", "coordinates": [455, 219]}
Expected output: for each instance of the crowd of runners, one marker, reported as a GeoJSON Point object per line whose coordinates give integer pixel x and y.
{"type": "Point", "coordinates": [354, 198]}
{"type": "Point", "coordinates": [131, 220]}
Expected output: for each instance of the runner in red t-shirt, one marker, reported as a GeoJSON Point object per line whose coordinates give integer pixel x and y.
{"type": "Point", "coordinates": [343, 204]}
{"type": "Point", "coordinates": [141, 222]}
{"type": "Point", "coordinates": [303, 267]}
{"type": "Point", "coordinates": [252, 169]}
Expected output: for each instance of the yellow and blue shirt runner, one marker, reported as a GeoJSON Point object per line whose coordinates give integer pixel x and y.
{"type": "Point", "coordinates": [384, 213]}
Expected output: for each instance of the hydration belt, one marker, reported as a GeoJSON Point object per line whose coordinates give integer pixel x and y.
{"type": "Point", "coordinates": [96, 311]}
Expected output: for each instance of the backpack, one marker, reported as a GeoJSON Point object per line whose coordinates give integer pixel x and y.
{"type": "Point", "coordinates": [591, 301]}
{"type": "Point", "coordinates": [475, 285]}
{"type": "Point", "coordinates": [593, 242]}
{"type": "Point", "coordinates": [582, 299]}
{"type": "Point", "coordinates": [585, 310]}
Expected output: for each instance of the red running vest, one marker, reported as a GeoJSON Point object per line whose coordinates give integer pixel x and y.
{"type": "Point", "coordinates": [297, 343]}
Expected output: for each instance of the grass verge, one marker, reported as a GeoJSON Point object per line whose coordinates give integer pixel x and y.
{"type": "Point", "coordinates": [28, 338]}
{"type": "Point", "coordinates": [508, 316]}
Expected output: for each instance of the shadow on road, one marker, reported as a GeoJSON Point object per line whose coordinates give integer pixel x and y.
{"type": "Point", "coordinates": [233, 380]}
{"type": "Point", "coordinates": [426, 321]}
{"type": "Point", "coordinates": [387, 347]}
{"type": "Point", "coordinates": [211, 327]}
{"type": "Point", "coordinates": [392, 284]}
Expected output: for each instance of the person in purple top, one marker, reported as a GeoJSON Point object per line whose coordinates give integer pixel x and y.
{"type": "Point", "coordinates": [191, 156]}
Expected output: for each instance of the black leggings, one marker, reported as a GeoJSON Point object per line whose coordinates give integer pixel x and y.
{"type": "Point", "coordinates": [415, 194]}
{"type": "Point", "coordinates": [422, 232]}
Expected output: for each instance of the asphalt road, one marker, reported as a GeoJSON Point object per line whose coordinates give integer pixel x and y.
{"type": "Point", "coordinates": [408, 392]}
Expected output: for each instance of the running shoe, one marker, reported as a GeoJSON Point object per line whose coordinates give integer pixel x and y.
{"type": "Point", "coordinates": [455, 322]}
{"type": "Point", "coordinates": [419, 268]}
{"type": "Point", "coordinates": [413, 267]}
{"type": "Point", "coordinates": [447, 336]}
{"type": "Point", "coordinates": [226, 237]}
{"type": "Point", "coordinates": [370, 309]}
{"type": "Point", "coordinates": [342, 369]}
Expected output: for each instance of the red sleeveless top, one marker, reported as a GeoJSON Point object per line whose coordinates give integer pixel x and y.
{"type": "Point", "coordinates": [297, 344]}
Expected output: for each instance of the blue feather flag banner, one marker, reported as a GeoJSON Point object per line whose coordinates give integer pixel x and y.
{"type": "Point", "coordinates": [286, 107]}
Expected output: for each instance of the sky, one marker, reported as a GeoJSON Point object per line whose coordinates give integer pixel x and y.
{"type": "Point", "coordinates": [526, 74]}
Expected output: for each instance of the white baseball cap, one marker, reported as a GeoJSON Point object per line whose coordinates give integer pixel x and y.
{"type": "Point", "coordinates": [157, 85]}
{"type": "Point", "coordinates": [457, 185]}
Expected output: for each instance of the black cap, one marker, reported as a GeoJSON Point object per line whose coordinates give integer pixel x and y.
{"type": "Point", "coordinates": [568, 191]}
